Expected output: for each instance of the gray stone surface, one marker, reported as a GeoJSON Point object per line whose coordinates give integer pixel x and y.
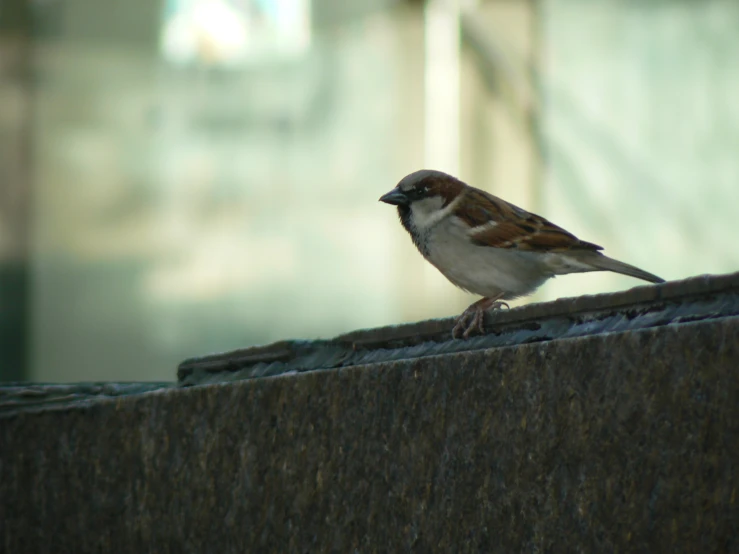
{"type": "Point", "coordinates": [624, 441]}
{"type": "Point", "coordinates": [30, 397]}
{"type": "Point", "coordinates": [695, 299]}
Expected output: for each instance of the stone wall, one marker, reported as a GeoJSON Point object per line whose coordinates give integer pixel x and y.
{"type": "Point", "coordinates": [611, 440]}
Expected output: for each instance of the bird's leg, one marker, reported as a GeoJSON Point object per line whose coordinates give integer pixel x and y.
{"type": "Point", "coordinates": [475, 313]}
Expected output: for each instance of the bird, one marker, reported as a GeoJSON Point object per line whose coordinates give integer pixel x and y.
{"type": "Point", "coordinates": [490, 247]}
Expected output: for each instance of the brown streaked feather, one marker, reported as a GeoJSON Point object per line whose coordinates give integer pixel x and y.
{"type": "Point", "coordinates": [515, 227]}
{"type": "Point", "coordinates": [480, 208]}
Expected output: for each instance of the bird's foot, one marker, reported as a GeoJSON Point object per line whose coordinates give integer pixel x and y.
{"type": "Point", "coordinates": [473, 318]}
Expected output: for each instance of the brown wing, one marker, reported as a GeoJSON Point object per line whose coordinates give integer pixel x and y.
{"type": "Point", "coordinates": [499, 224]}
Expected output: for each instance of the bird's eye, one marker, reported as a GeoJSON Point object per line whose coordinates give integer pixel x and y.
{"type": "Point", "coordinates": [418, 192]}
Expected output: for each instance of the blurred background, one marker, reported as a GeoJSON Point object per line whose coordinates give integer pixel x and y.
{"type": "Point", "coordinates": [188, 176]}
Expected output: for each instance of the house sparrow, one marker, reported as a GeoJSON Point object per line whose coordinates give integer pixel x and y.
{"type": "Point", "coordinates": [489, 247]}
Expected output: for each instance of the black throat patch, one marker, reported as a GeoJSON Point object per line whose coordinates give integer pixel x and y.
{"type": "Point", "coordinates": [404, 213]}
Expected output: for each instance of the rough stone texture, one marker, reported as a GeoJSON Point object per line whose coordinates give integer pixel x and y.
{"type": "Point", "coordinates": [695, 299]}
{"type": "Point", "coordinates": [624, 441]}
{"type": "Point", "coordinates": [29, 397]}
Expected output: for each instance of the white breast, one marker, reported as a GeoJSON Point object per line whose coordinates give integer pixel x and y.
{"type": "Point", "coordinates": [481, 269]}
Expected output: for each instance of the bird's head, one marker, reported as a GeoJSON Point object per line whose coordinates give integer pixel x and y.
{"type": "Point", "coordinates": [422, 196]}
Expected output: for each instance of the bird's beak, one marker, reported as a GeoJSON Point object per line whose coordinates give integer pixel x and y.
{"type": "Point", "coordinates": [396, 197]}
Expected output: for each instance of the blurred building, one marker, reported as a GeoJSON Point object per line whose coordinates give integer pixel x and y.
{"type": "Point", "coordinates": [191, 176]}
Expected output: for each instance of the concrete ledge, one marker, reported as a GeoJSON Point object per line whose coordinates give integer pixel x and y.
{"type": "Point", "coordinates": [609, 441]}
{"type": "Point", "coordinates": [694, 299]}
{"type": "Point", "coordinates": [31, 397]}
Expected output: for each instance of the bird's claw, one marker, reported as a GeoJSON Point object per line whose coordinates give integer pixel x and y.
{"type": "Point", "coordinates": [477, 314]}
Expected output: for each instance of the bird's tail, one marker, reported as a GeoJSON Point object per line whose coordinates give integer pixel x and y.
{"type": "Point", "coordinates": [604, 263]}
